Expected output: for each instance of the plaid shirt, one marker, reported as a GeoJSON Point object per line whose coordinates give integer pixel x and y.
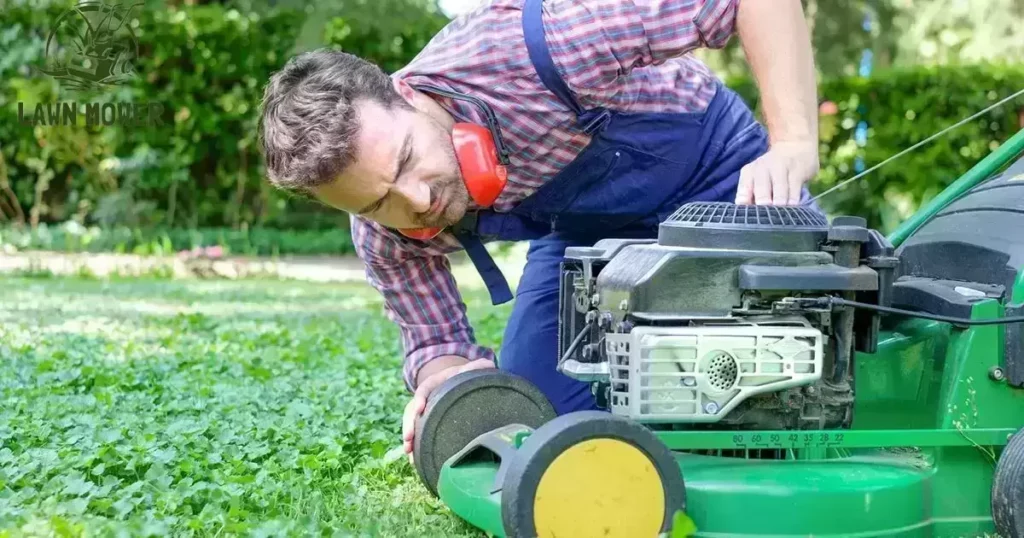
{"type": "Point", "coordinates": [625, 55]}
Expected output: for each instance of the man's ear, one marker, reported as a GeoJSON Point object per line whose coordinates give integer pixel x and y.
{"type": "Point", "coordinates": [405, 90]}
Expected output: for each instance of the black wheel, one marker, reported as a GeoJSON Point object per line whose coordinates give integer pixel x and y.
{"type": "Point", "coordinates": [591, 473]}
{"type": "Point", "coordinates": [1008, 489]}
{"type": "Point", "coordinates": [468, 405]}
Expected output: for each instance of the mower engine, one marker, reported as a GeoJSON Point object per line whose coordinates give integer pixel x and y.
{"type": "Point", "coordinates": [720, 322]}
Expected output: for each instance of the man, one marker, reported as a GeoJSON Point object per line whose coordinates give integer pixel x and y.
{"type": "Point", "coordinates": [610, 125]}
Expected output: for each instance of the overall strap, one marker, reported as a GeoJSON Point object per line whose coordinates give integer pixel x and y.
{"type": "Point", "coordinates": [497, 286]}
{"type": "Point", "coordinates": [540, 56]}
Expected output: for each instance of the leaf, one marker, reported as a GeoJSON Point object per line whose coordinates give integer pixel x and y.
{"type": "Point", "coordinates": [682, 525]}
{"type": "Point", "coordinates": [77, 486]}
{"type": "Point", "coordinates": [395, 454]}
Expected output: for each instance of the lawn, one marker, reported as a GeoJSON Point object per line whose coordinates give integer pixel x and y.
{"type": "Point", "coordinates": [207, 408]}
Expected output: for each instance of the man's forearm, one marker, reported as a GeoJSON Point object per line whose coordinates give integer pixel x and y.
{"type": "Point", "coordinates": [439, 364]}
{"type": "Point", "coordinates": [777, 43]}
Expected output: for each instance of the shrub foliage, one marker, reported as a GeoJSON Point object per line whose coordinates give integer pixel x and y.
{"type": "Point", "coordinates": [898, 109]}
{"type": "Point", "coordinates": [206, 65]}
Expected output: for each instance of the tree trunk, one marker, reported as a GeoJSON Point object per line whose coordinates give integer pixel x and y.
{"type": "Point", "coordinates": [42, 185]}
{"type": "Point", "coordinates": [13, 211]}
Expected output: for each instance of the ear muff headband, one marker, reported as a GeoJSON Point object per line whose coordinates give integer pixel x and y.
{"type": "Point", "coordinates": [489, 117]}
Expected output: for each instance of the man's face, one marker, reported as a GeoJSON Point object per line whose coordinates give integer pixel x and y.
{"type": "Point", "coordinates": [405, 173]}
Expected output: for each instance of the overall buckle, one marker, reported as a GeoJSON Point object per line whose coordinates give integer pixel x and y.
{"type": "Point", "coordinates": [598, 123]}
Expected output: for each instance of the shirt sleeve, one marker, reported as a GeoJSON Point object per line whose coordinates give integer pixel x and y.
{"type": "Point", "coordinates": [420, 294]}
{"type": "Point", "coordinates": [594, 42]}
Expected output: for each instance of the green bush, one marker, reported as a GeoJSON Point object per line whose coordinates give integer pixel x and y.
{"type": "Point", "coordinates": [206, 66]}
{"type": "Point", "coordinates": [902, 108]}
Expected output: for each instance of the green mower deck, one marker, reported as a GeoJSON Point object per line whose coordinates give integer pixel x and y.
{"type": "Point", "coordinates": [887, 496]}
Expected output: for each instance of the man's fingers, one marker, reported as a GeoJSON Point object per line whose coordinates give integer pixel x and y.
{"type": "Point", "coordinates": [407, 416]}
{"type": "Point", "coordinates": [418, 403]}
{"type": "Point", "coordinates": [778, 177]}
{"type": "Point", "coordinates": [762, 186]}
{"type": "Point", "coordinates": [780, 181]}
{"type": "Point", "coordinates": [803, 176]}
{"type": "Point", "coordinates": [796, 186]}
{"type": "Point", "coordinates": [412, 410]}
{"type": "Point", "coordinates": [745, 190]}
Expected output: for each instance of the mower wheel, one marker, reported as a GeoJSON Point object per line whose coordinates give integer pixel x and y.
{"type": "Point", "coordinates": [468, 405]}
{"type": "Point", "coordinates": [591, 473]}
{"type": "Point", "coordinates": [1008, 489]}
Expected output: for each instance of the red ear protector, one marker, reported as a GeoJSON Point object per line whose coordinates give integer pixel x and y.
{"type": "Point", "coordinates": [482, 159]}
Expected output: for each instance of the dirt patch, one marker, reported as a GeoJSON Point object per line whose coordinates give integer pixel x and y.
{"type": "Point", "coordinates": [308, 268]}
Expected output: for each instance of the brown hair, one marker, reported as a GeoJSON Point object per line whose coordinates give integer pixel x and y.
{"type": "Point", "coordinates": [308, 125]}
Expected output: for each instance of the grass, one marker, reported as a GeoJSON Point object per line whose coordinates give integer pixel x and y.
{"type": "Point", "coordinates": [207, 408]}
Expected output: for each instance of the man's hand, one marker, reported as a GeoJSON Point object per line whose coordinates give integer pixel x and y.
{"type": "Point", "coordinates": [777, 44]}
{"type": "Point", "coordinates": [778, 176]}
{"type": "Point", "coordinates": [430, 377]}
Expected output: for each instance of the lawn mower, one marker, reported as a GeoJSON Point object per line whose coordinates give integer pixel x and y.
{"type": "Point", "coordinates": [763, 371]}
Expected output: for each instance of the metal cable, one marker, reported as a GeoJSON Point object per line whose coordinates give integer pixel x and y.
{"type": "Point", "coordinates": [575, 344]}
{"type": "Point", "coordinates": [924, 315]}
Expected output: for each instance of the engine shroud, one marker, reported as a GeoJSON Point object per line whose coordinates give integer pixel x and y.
{"type": "Point", "coordinates": [734, 273]}
{"type": "Point", "coordinates": [690, 271]}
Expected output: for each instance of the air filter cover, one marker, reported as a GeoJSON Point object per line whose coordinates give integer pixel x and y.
{"type": "Point", "coordinates": [723, 225]}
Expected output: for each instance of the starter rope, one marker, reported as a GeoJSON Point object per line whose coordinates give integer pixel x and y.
{"type": "Point", "coordinates": [919, 144]}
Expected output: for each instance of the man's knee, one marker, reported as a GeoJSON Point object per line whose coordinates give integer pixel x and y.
{"type": "Point", "coordinates": [530, 345]}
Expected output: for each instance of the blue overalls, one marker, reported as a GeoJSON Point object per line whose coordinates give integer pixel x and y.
{"type": "Point", "coordinates": [638, 168]}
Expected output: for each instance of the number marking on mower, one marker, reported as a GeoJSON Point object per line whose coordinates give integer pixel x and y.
{"type": "Point", "coordinates": [681, 440]}
{"type": "Point", "coordinates": [792, 440]}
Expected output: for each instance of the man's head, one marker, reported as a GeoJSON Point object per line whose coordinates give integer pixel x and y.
{"type": "Point", "coordinates": [338, 129]}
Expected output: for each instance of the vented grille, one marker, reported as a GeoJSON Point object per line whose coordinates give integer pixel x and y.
{"type": "Point", "coordinates": [702, 373]}
{"type": "Point", "coordinates": [722, 213]}
{"type": "Point", "coordinates": [722, 371]}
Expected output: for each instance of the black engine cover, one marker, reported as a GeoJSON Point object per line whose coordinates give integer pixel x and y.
{"type": "Point", "coordinates": [720, 225]}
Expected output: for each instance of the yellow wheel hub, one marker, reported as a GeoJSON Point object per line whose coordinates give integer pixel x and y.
{"type": "Point", "coordinates": [600, 487]}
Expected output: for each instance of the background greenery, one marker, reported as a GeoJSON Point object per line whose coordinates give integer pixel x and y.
{"type": "Point", "coordinates": [148, 407]}
{"type": "Point", "coordinates": [198, 179]}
